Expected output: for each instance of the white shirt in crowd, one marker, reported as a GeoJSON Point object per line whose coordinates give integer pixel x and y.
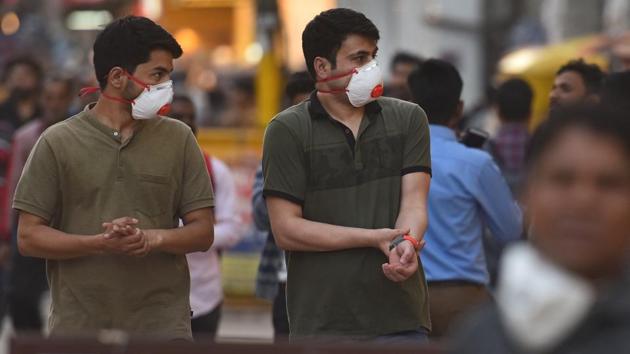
{"type": "Point", "coordinates": [206, 291]}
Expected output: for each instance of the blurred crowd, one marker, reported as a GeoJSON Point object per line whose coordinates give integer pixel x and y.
{"type": "Point", "coordinates": [558, 194]}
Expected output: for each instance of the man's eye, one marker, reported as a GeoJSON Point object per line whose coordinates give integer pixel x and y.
{"type": "Point", "coordinates": [611, 182]}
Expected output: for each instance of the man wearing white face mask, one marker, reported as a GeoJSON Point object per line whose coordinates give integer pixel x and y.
{"type": "Point", "coordinates": [102, 193]}
{"type": "Point", "coordinates": [569, 290]}
{"type": "Point", "coordinates": [346, 176]}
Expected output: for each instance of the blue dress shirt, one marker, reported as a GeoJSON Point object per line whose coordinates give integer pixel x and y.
{"type": "Point", "coordinates": [467, 194]}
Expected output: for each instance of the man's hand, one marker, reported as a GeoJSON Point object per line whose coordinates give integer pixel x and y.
{"type": "Point", "coordinates": [403, 262]}
{"type": "Point", "coordinates": [384, 238]}
{"type": "Point", "coordinates": [121, 236]}
{"type": "Point", "coordinates": [124, 226]}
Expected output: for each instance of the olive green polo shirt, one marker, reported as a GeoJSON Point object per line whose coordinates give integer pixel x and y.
{"type": "Point", "coordinates": [81, 174]}
{"type": "Point", "coordinates": [313, 160]}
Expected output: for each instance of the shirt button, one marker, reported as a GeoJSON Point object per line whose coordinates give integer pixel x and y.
{"type": "Point", "coordinates": [347, 131]}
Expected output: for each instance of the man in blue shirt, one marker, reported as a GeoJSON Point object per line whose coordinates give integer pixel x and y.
{"type": "Point", "coordinates": [467, 194]}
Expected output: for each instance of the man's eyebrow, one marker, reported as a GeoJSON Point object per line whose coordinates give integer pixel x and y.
{"type": "Point", "coordinates": [163, 69]}
{"type": "Point", "coordinates": [359, 53]}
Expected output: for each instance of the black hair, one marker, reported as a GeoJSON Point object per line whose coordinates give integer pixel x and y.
{"type": "Point", "coordinates": [299, 83]}
{"type": "Point", "coordinates": [615, 91]}
{"type": "Point", "coordinates": [598, 120]}
{"type": "Point", "coordinates": [127, 43]}
{"type": "Point", "coordinates": [514, 100]}
{"type": "Point", "coordinates": [591, 74]}
{"type": "Point", "coordinates": [324, 35]}
{"type": "Point", "coordinates": [436, 86]}
{"type": "Point", "coordinates": [405, 58]}
{"type": "Point", "coordinates": [26, 61]}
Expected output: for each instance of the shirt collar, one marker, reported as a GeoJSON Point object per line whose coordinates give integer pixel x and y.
{"type": "Point", "coordinates": [316, 109]}
{"type": "Point", "coordinates": [442, 132]}
{"type": "Point", "coordinates": [112, 133]}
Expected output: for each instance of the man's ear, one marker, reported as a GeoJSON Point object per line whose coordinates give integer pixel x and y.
{"type": "Point", "coordinates": [459, 112]}
{"type": "Point", "coordinates": [322, 67]}
{"type": "Point", "coordinates": [117, 78]}
{"type": "Point", "coordinates": [457, 115]}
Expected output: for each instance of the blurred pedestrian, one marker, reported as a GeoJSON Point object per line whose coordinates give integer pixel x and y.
{"type": "Point", "coordinates": [240, 108]}
{"type": "Point", "coordinates": [568, 291]}
{"type": "Point", "coordinates": [576, 82]}
{"type": "Point", "coordinates": [401, 66]}
{"type": "Point", "coordinates": [206, 289]}
{"type": "Point", "coordinates": [23, 79]}
{"type": "Point", "coordinates": [27, 279]}
{"type": "Point", "coordinates": [102, 192]}
{"type": "Point", "coordinates": [514, 108]}
{"type": "Point", "coordinates": [467, 193]}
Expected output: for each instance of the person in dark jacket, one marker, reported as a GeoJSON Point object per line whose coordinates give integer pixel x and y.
{"type": "Point", "coordinates": [568, 290]}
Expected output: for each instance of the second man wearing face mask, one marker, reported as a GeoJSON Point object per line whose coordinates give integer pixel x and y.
{"type": "Point", "coordinates": [346, 181]}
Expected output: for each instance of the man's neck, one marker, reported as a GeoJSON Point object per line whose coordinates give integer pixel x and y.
{"type": "Point", "coordinates": [453, 124]}
{"type": "Point", "coordinates": [116, 115]}
{"type": "Point", "coordinates": [338, 107]}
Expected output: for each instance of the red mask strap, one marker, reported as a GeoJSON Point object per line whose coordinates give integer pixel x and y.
{"type": "Point", "coordinates": [343, 90]}
{"type": "Point", "coordinates": [89, 90]}
{"type": "Point", "coordinates": [336, 77]}
{"type": "Point", "coordinates": [117, 99]}
{"type": "Point", "coordinates": [137, 81]}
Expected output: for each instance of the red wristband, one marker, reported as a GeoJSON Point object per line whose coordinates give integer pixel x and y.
{"type": "Point", "coordinates": [413, 241]}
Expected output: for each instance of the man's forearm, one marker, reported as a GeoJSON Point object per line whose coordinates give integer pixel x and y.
{"type": "Point", "coordinates": [45, 242]}
{"type": "Point", "coordinates": [299, 234]}
{"type": "Point", "coordinates": [414, 219]}
{"type": "Point", "coordinates": [196, 236]}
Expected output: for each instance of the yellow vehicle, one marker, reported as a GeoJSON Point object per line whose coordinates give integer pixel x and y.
{"type": "Point", "coordinates": [538, 66]}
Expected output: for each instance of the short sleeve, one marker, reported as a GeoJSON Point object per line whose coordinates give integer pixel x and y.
{"type": "Point", "coordinates": [417, 145]}
{"type": "Point", "coordinates": [283, 164]}
{"type": "Point", "coordinates": [37, 191]}
{"type": "Point", "coordinates": [196, 186]}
